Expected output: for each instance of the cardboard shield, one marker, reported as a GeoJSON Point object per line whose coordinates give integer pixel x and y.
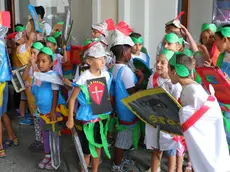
{"type": "Point", "coordinates": [139, 64]}
{"type": "Point", "coordinates": [215, 77]}
{"type": "Point", "coordinates": [34, 15]}
{"type": "Point", "coordinates": [156, 107]}
{"type": "Point", "coordinates": [99, 96]}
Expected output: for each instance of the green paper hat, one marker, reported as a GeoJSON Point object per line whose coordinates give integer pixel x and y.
{"type": "Point", "coordinates": [57, 34]}
{"type": "Point", "coordinates": [51, 39]}
{"type": "Point", "coordinates": [207, 26]}
{"type": "Point", "coordinates": [48, 51]}
{"type": "Point", "coordinates": [137, 40]}
{"type": "Point", "coordinates": [173, 38]}
{"type": "Point", "coordinates": [225, 31]}
{"type": "Point", "coordinates": [38, 46]}
{"type": "Point", "coordinates": [167, 53]}
{"type": "Point", "coordinates": [188, 52]}
{"type": "Point", "coordinates": [181, 70]}
{"type": "Point", "coordinates": [20, 28]}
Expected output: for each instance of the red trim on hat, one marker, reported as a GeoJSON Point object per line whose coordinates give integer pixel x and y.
{"type": "Point", "coordinates": [179, 15]}
{"type": "Point", "coordinates": [124, 28]}
{"type": "Point", "coordinates": [110, 24]}
{"type": "Point", "coordinates": [11, 36]}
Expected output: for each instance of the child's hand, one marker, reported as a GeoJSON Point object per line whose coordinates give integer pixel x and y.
{"type": "Point", "coordinates": [208, 63]}
{"type": "Point", "coordinates": [52, 116]}
{"type": "Point", "coordinates": [184, 29]}
{"type": "Point", "coordinates": [70, 124]}
{"type": "Point", "coordinates": [140, 74]}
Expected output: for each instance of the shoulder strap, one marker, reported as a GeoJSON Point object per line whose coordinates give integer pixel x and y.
{"type": "Point", "coordinates": [220, 60]}
{"type": "Point", "coordinates": [155, 77]}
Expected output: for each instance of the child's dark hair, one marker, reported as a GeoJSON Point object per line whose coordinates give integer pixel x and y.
{"type": "Point", "coordinates": [50, 57]}
{"type": "Point", "coordinates": [219, 32]}
{"type": "Point", "coordinates": [119, 49]}
{"type": "Point", "coordinates": [135, 35]}
{"type": "Point", "coordinates": [185, 60]}
{"type": "Point", "coordinates": [40, 10]}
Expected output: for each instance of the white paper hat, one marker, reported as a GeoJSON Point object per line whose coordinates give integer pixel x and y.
{"type": "Point", "coordinates": [104, 27]}
{"type": "Point", "coordinates": [103, 40]}
{"type": "Point", "coordinates": [121, 34]}
{"type": "Point", "coordinates": [96, 50]}
{"type": "Point", "coordinates": [18, 36]}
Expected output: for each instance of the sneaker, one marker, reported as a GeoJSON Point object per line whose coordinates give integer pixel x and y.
{"type": "Point", "coordinates": [28, 116]}
{"type": "Point", "coordinates": [49, 166]}
{"type": "Point", "coordinates": [43, 163]}
{"type": "Point", "coordinates": [120, 168]}
{"type": "Point", "coordinates": [127, 161]}
{"type": "Point", "coordinates": [26, 121]}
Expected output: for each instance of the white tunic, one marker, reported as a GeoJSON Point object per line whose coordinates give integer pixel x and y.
{"type": "Point", "coordinates": [206, 139]}
{"type": "Point", "coordinates": [166, 141]}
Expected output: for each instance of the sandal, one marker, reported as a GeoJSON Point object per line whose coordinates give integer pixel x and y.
{"type": "Point", "coordinates": [49, 166]}
{"type": "Point", "coordinates": [2, 153]}
{"type": "Point", "coordinates": [188, 169]}
{"type": "Point", "coordinates": [10, 143]}
{"type": "Point", "coordinates": [43, 163]}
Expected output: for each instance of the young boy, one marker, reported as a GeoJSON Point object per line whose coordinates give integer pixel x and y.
{"type": "Point", "coordinates": [102, 29]}
{"type": "Point", "coordinates": [126, 83]}
{"type": "Point", "coordinates": [95, 126]}
{"type": "Point", "coordinates": [41, 13]}
{"type": "Point", "coordinates": [136, 49]}
{"type": "Point", "coordinates": [201, 120]}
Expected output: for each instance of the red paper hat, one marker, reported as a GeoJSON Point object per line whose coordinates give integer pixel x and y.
{"type": "Point", "coordinates": [110, 24]}
{"type": "Point", "coordinates": [176, 21]}
{"type": "Point", "coordinates": [124, 28]}
{"type": "Point", "coordinates": [5, 18]}
{"type": "Point", "coordinates": [11, 36]}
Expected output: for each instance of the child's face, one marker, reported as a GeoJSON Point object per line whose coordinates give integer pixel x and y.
{"type": "Point", "coordinates": [171, 28]}
{"type": "Point", "coordinates": [51, 45]}
{"type": "Point", "coordinates": [136, 49]}
{"type": "Point", "coordinates": [95, 33]}
{"type": "Point", "coordinates": [96, 63]}
{"type": "Point", "coordinates": [44, 62]}
{"type": "Point", "coordinates": [221, 43]}
{"type": "Point", "coordinates": [206, 38]}
{"type": "Point", "coordinates": [172, 75]}
{"type": "Point", "coordinates": [175, 47]}
{"type": "Point", "coordinates": [161, 65]}
{"type": "Point", "coordinates": [127, 55]}
{"type": "Point", "coordinates": [34, 53]}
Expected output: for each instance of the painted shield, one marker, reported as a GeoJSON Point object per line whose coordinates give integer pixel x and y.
{"type": "Point", "coordinates": [96, 90]}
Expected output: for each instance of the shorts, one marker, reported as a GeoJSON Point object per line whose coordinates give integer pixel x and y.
{"type": "Point", "coordinates": [171, 152]}
{"type": "Point", "coordinates": [3, 108]}
{"type": "Point", "coordinates": [23, 96]}
{"type": "Point", "coordinates": [181, 151]}
{"type": "Point", "coordinates": [97, 138]}
{"type": "Point", "coordinates": [124, 139]}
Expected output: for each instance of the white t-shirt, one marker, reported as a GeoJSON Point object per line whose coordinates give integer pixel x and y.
{"type": "Point", "coordinates": [87, 75]}
{"type": "Point", "coordinates": [173, 89]}
{"type": "Point", "coordinates": [22, 48]}
{"type": "Point", "coordinates": [57, 67]}
{"type": "Point", "coordinates": [141, 56]}
{"type": "Point", "coordinates": [47, 27]}
{"type": "Point", "coordinates": [126, 75]}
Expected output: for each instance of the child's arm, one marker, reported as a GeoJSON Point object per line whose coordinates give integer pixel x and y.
{"type": "Point", "coordinates": [64, 59]}
{"type": "Point", "coordinates": [25, 74]}
{"type": "Point", "coordinates": [70, 122]}
{"type": "Point", "coordinates": [191, 41]}
{"type": "Point", "coordinates": [53, 116]}
{"type": "Point", "coordinates": [137, 87]}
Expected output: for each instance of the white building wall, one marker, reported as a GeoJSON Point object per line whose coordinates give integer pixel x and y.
{"type": "Point", "coordinates": [200, 12]}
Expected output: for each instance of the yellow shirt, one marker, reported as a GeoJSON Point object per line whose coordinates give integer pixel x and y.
{"type": "Point", "coordinates": [23, 54]}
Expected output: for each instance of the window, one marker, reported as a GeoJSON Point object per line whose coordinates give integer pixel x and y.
{"type": "Point", "coordinates": [221, 12]}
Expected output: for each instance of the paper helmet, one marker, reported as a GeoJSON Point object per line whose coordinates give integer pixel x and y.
{"type": "Point", "coordinates": [104, 27]}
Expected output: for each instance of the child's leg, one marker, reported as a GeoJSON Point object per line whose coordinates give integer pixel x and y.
{"type": "Point", "coordinates": [22, 105]}
{"type": "Point", "coordinates": [45, 135]}
{"type": "Point", "coordinates": [119, 154]}
{"type": "Point", "coordinates": [2, 152]}
{"type": "Point", "coordinates": [180, 159]}
{"type": "Point", "coordinates": [155, 163]}
{"type": "Point", "coordinates": [96, 161]}
{"type": "Point", "coordinates": [171, 160]}
{"type": "Point", "coordinates": [7, 124]}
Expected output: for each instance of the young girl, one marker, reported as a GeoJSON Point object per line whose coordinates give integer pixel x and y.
{"type": "Point", "coordinates": [161, 79]}
{"type": "Point", "coordinates": [46, 96]}
{"type": "Point", "coordinates": [207, 40]}
{"type": "Point", "coordinates": [136, 49]}
{"type": "Point", "coordinates": [93, 125]}
{"type": "Point", "coordinates": [222, 38]}
{"type": "Point", "coordinates": [27, 76]}
{"type": "Point", "coordinates": [200, 118]}
{"type": "Point", "coordinates": [23, 54]}
{"type": "Point", "coordinates": [102, 29]}
{"type": "Point", "coordinates": [58, 58]}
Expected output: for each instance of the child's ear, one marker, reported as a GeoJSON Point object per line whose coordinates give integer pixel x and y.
{"type": "Point", "coordinates": [88, 61]}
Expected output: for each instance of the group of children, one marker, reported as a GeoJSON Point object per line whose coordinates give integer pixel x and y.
{"type": "Point", "coordinates": [201, 119]}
